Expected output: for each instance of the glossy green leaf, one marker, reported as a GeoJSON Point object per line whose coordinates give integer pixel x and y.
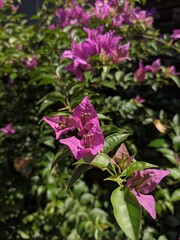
{"type": "Point", "coordinates": [157, 143]}
{"type": "Point", "coordinates": [44, 105]}
{"type": "Point", "coordinates": [59, 156]}
{"type": "Point", "coordinates": [127, 212]}
{"type": "Point", "coordinates": [78, 171]}
{"type": "Point", "coordinates": [107, 129]}
{"type": "Point", "coordinates": [176, 195]}
{"type": "Point", "coordinates": [113, 140]}
{"type": "Point", "coordinates": [137, 166]}
{"type": "Point", "coordinates": [103, 117]}
{"type": "Point", "coordinates": [101, 160]}
{"type": "Point", "coordinates": [176, 80]}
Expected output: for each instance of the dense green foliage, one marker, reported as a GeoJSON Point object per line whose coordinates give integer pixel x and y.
{"type": "Point", "coordinates": [34, 202]}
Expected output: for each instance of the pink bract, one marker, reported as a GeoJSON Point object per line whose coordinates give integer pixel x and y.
{"type": "Point", "coordinates": [31, 62]}
{"type": "Point", "coordinates": [86, 138]}
{"type": "Point", "coordinates": [155, 67]}
{"type": "Point", "coordinates": [61, 125]}
{"type": "Point", "coordinates": [1, 4]}
{"type": "Point", "coordinates": [8, 129]}
{"type": "Point", "coordinates": [176, 34]}
{"type": "Point", "coordinates": [91, 142]}
{"type": "Point", "coordinates": [140, 72]}
{"type": "Point", "coordinates": [144, 182]}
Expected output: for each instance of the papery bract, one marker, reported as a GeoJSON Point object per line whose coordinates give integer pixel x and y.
{"type": "Point", "coordinates": [31, 62]}
{"type": "Point", "coordinates": [85, 112]}
{"type": "Point", "coordinates": [144, 182]}
{"type": "Point", "coordinates": [117, 21]}
{"type": "Point", "coordinates": [91, 143]}
{"type": "Point", "coordinates": [140, 72]}
{"type": "Point", "coordinates": [1, 4]}
{"type": "Point", "coordinates": [120, 55]}
{"type": "Point", "coordinates": [122, 157]}
{"type": "Point", "coordinates": [86, 136]}
{"type": "Point", "coordinates": [176, 34]}
{"type": "Point", "coordinates": [61, 125]}
{"type": "Point", "coordinates": [8, 129]}
{"type": "Point", "coordinates": [106, 46]}
{"type": "Point", "coordinates": [102, 9]}
{"type": "Point", "coordinates": [139, 99]}
{"type": "Point", "coordinates": [72, 16]}
{"type": "Point", "coordinates": [51, 26]}
{"type": "Point", "coordinates": [155, 67]}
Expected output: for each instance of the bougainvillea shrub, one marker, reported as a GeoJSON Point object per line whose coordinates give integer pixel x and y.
{"type": "Point", "coordinates": [89, 125]}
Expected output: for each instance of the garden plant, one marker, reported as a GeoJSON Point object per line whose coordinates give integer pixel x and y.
{"type": "Point", "coordinates": [89, 125]}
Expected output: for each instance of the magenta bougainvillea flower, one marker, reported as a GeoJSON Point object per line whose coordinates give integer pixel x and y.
{"type": "Point", "coordinates": [1, 4]}
{"type": "Point", "coordinates": [176, 34]}
{"type": "Point", "coordinates": [51, 27]}
{"type": "Point", "coordinates": [8, 129]}
{"type": "Point", "coordinates": [106, 46]}
{"type": "Point", "coordinates": [15, 7]}
{"type": "Point", "coordinates": [31, 62]}
{"type": "Point", "coordinates": [102, 9]}
{"type": "Point", "coordinates": [90, 142]}
{"type": "Point", "coordinates": [139, 99]}
{"type": "Point", "coordinates": [86, 138]}
{"type": "Point", "coordinates": [140, 72]}
{"type": "Point", "coordinates": [144, 182]}
{"type": "Point", "coordinates": [134, 15]}
{"type": "Point", "coordinates": [122, 159]}
{"type": "Point", "coordinates": [141, 16]}
{"type": "Point", "coordinates": [155, 67]}
{"type": "Point", "coordinates": [61, 125]}
{"type": "Point", "coordinates": [72, 16]}
{"type": "Point", "coordinates": [117, 21]}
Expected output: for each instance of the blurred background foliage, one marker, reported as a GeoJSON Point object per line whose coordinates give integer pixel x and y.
{"type": "Point", "coordinates": [34, 203]}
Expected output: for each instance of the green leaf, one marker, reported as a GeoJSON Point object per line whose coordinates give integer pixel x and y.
{"type": "Point", "coordinates": [23, 234]}
{"type": "Point", "coordinates": [44, 105]}
{"type": "Point", "coordinates": [102, 117]}
{"type": "Point", "coordinates": [109, 84]}
{"type": "Point", "coordinates": [157, 143]}
{"type": "Point", "coordinates": [176, 79]}
{"type": "Point", "coordinates": [113, 140]}
{"type": "Point", "coordinates": [119, 75]}
{"type": "Point", "coordinates": [127, 212]}
{"type": "Point", "coordinates": [176, 143]}
{"type": "Point", "coordinates": [137, 166]}
{"type": "Point", "coordinates": [101, 160]}
{"type": "Point", "coordinates": [107, 129]}
{"type": "Point", "coordinates": [175, 173]}
{"type": "Point", "coordinates": [78, 171]}
{"type": "Point", "coordinates": [176, 195]}
{"type": "Point", "coordinates": [59, 156]}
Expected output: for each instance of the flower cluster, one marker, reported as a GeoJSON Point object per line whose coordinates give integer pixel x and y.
{"type": "Point", "coordinates": [154, 68]}
{"type": "Point", "coordinates": [126, 14]}
{"type": "Point", "coordinates": [1, 4]}
{"type": "Point", "coordinates": [176, 34]}
{"type": "Point", "coordinates": [8, 129]}
{"type": "Point", "coordinates": [72, 16]}
{"type": "Point", "coordinates": [106, 46]}
{"type": "Point", "coordinates": [31, 62]}
{"type": "Point", "coordinates": [144, 182]}
{"type": "Point", "coordinates": [85, 138]}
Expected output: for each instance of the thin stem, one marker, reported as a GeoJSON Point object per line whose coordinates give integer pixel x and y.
{"type": "Point", "coordinates": [163, 42]}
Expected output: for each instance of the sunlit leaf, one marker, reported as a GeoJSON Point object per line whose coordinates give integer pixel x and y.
{"type": "Point", "coordinates": [113, 140]}
{"type": "Point", "coordinates": [127, 212]}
